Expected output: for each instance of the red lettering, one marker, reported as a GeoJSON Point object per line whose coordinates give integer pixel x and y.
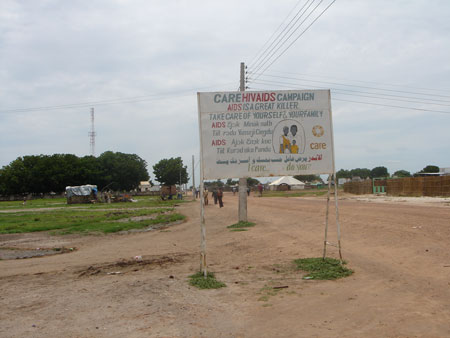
{"type": "Point", "coordinates": [257, 97]}
{"type": "Point", "coordinates": [235, 106]}
{"type": "Point", "coordinates": [219, 143]}
{"type": "Point", "coordinates": [218, 124]}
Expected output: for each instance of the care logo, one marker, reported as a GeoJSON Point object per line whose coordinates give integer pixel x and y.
{"type": "Point", "coordinates": [317, 131]}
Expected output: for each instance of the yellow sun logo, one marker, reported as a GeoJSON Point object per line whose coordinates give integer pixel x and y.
{"type": "Point", "coordinates": [318, 131]}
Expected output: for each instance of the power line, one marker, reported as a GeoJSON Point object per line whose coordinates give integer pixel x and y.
{"type": "Point", "coordinates": [273, 34]}
{"type": "Point", "coordinates": [343, 92]}
{"type": "Point", "coordinates": [295, 40]}
{"type": "Point", "coordinates": [371, 82]}
{"type": "Point", "coordinates": [134, 99]}
{"type": "Point", "coordinates": [278, 36]}
{"type": "Point", "coordinates": [393, 106]}
{"type": "Point", "coordinates": [272, 51]}
{"type": "Point", "coordinates": [357, 86]}
{"type": "Point", "coordinates": [379, 104]}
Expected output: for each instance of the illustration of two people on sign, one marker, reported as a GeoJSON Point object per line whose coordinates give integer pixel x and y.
{"type": "Point", "coordinates": [289, 140]}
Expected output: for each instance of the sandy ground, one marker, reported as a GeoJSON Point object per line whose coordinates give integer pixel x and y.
{"type": "Point", "coordinates": [398, 248]}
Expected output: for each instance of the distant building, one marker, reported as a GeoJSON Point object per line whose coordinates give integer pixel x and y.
{"type": "Point", "coordinates": [287, 183]}
{"type": "Point", "coordinates": [343, 180]}
{"type": "Point", "coordinates": [155, 188]}
{"type": "Point", "coordinates": [444, 171]}
{"type": "Point", "coordinates": [144, 186]}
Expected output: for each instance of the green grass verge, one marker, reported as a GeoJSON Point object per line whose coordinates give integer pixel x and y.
{"type": "Point", "coordinates": [319, 268]}
{"type": "Point", "coordinates": [241, 226]}
{"type": "Point", "coordinates": [65, 221]}
{"type": "Point", "coordinates": [210, 282]}
{"type": "Point", "coordinates": [296, 193]}
{"type": "Point", "coordinates": [142, 202]}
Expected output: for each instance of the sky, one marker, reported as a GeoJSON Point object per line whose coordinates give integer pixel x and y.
{"type": "Point", "coordinates": [139, 64]}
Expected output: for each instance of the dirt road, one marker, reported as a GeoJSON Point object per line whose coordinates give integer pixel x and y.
{"type": "Point", "coordinates": [398, 250]}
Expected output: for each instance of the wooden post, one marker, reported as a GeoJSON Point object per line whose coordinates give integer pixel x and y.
{"type": "Point", "coordinates": [193, 180]}
{"type": "Point", "coordinates": [326, 218]}
{"type": "Point", "coordinates": [337, 215]}
{"type": "Point", "coordinates": [335, 184]}
{"type": "Point", "coordinates": [242, 212]}
{"type": "Point", "coordinates": [202, 209]}
{"type": "Point", "coordinates": [203, 231]}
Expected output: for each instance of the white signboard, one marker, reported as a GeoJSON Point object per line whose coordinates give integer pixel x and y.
{"type": "Point", "coordinates": [260, 134]}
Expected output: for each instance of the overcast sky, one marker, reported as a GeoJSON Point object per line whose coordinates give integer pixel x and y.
{"type": "Point", "coordinates": [145, 60]}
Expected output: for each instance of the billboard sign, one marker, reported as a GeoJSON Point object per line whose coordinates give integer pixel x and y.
{"type": "Point", "coordinates": [270, 133]}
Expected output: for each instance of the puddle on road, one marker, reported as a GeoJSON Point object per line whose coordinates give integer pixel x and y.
{"type": "Point", "coordinates": [19, 253]}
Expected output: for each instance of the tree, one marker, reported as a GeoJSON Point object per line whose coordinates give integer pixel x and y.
{"type": "Point", "coordinates": [402, 173]}
{"type": "Point", "coordinates": [230, 182]}
{"type": "Point", "coordinates": [121, 171]}
{"type": "Point", "coordinates": [213, 184]}
{"type": "Point", "coordinates": [308, 178]}
{"type": "Point", "coordinates": [360, 172]}
{"type": "Point", "coordinates": [379, 172]}
{"type": "Point", "coordinates": [251, 182]}
{"type": "Point", "coordinates": [168, 171]}
{"type": "Point", "coordinates": [430, 169]}
{"type": "Point", "coordinates": [343, 174]}
{"type": "Point", "coordinates": [47, 173]}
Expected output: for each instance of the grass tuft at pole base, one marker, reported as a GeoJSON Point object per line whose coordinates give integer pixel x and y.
{"type": "Point", "coordinates": [210, 282]}
{"type": "Point", "coordinates": [323, 269]}
{"type": "Point", "coordinates": [241, 226]}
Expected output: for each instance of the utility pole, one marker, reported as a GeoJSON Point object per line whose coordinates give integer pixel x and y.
{"type": "Point", "coordinates": [92, 134]}
{"type": "Point", "coordinates": [193, 179]}
{"type": "Point", "coordinates": [181, 190]}
{"type": "Point", "coordinates": [242, 180]}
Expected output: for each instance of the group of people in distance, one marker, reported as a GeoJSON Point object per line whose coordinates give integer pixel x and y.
{"type": "Point", "coordinates": [217, 195]}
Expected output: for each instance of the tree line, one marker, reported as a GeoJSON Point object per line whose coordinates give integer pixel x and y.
{"type": "Point", "coordinates": [52, 173]}
{"type": "Point", "coordinates": [382, 172]}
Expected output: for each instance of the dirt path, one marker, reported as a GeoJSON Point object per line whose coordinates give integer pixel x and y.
{"type": "Point", "coordinates": [399, 251]}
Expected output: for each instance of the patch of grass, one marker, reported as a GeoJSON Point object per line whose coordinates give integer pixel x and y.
{"type": "Point", "coordinates": [325, 269]}
{"type": "Point", "coordinates": [296, 193]}
{"type": "Point", "coordinates": [266, 292]}
{"type": "Point", "coordinates": [64, 221]}
{"type": "Point", "coordinates": [142, 202]}
{"type": "Point", "coordinates": [241, 226]}
{"type": "Point", "coordinates": [210, 282]}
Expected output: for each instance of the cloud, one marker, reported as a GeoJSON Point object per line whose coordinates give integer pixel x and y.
{"type": "Point", "coordinates": [57, 53]}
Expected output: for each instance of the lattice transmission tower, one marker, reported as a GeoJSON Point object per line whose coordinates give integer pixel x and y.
{"type": "Point", "coordinates": [92, 134]}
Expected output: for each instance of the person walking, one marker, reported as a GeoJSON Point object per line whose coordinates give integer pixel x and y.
{"type": "Point", "coordinates": [260, 189]}
{"type": "Point", "coordinates": [214, 195]}
{"type": "Point", "coordinates": [205, 196]}
{"type": "Point", "coordinates": [219, 195]}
